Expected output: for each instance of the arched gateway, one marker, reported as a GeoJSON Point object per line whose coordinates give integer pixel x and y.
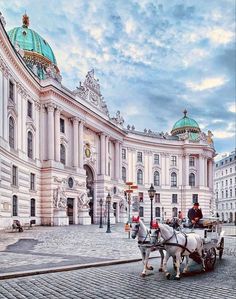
{"type": "Point", "coordinates": [90, 189]}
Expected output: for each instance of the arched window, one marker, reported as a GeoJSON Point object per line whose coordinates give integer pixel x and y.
{"type": "Point", "coordinates": [140, 177]}
{"type": "Point", "coordinates": [192, 179]}
{"type": "Point", "coordinates": [63, 154]}
{"type": "Point", "coordinates": [14, 206]}
{"type": "Point", "coordinates": [32, 207]}
{"type": "Point", "coordinates": [11, 132]}
{"type": "Point", "coordinates": [124, 174]}
{"type": "Point", "coordinates": [157, 212]}
{"type": "Point", "coordinates": [174, 212]}
{"type": "Point", "coordinates": [173, 179]}
{"type": "Point", "coordinates": [30, 145]}
{"type": "Point", "coordinates": [156, 178]}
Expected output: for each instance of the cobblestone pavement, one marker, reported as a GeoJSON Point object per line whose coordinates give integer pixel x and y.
{"type": "Point", "coordinates": [46, 247]}
{"type": "Point", "coordinates": [124, 282]}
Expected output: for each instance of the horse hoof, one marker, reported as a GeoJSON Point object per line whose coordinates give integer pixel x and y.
{"type": "Point", "coordinates": [150, 268]}
{"type": "Point", "coordinates": [168, 276]}
{"type": "Point", "coordinates": [160, 270]}
{"type": "Point", "coordinates": [177, 278]}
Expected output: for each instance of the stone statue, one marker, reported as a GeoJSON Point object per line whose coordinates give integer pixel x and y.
{"type": "Point", "coordinates": [59, 198]}
{"type": "Point", "coordinates": [209, 137]}
{"type": "Point", "coordinates": [83, 201]}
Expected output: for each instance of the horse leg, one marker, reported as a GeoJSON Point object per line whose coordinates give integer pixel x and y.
{"type": "Point", "coordinates": [145, 257]}
{"type": "Point", "coordinates": [186, 265]}
{"type": "Point", "coordinates": [167, 274]}
{"type": "Point", "coordinates": [148, 267]}
{"type": "Point", "coordinates": [177, 264]}
{"type": "Point", "coordinates": [162, 259]}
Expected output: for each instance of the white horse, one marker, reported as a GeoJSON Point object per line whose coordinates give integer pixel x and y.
{"type": "Point", "coordinates": [144, 243]}
{"type": "Point", "coordinates": [178, 245]}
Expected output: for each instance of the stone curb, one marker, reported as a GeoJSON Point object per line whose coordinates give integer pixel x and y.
{"type": "Point", "coordinates": [11, 275]}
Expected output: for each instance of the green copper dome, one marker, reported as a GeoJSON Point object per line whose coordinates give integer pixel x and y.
{"type": "Point", "coordinates": [37, 53]}
{"type": "Point", "coordinates": [185, 124]}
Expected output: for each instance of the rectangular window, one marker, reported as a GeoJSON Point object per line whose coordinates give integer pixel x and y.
{"type": "Point", "coordinates": [222, 194]}
{"type": "Point", "coordinates": [230, 181]}
{"type": "Point", "coordinates": [141, 211]}
{"type": "Point", "coordinates": [226, 183]}
{"type": "Point", "coordinates": [32, 207]}
{"type": "Point", "coordinates": [11, 90]}
{"type": "Point", "coordinates": [230, 193]}
{"type": "Point", "coordinates": [14, 205]}
{"type": "Point", "coordinates": [226, 193]}
{"type": "Point", "coordinates": [216, 195]}
{"type": "Point", "coordinates": [62, 125]}
{"type": "Point", "coordinates": [29, 109]}
{"type": "Point", "coordinates": [195, 198]}
{"type": "Point", "coordinates": [173, 160]}
{"type": "Point", "coordinates": [140, 196]}
{"type": "Point", "coordinates": [156, 159]}
{"type": "Point", "coordinates": [191, 161]}
{"type": "Point", "coordinates": [140, 157]}
{"type": "Point", "coordinates": [32, 181]}
{"type": "Point", "coordinates": [123, 153]}
{"type": "Point", "coordinates": [14, 175]}
{"type": "Point", "coordinates": [174, 198]}
{"type": "Point", "coordinates": [157, 197]}
{"type": "Point", "coordinates": [158, 212]}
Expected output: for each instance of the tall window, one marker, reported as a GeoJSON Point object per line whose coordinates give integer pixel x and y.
{"type": "Point", "coordinates": [14, 205]}
{"type": "Point", "coordinates": [222, 194]}
{"type": "Point", "coordinates": [157, 198]}
{"type": "Point", "coordinates": [156, 159]}
{"type": "Point", "coordinates": [139, 156]}
{"type": "Point", "coordinates": [230, 181]}
{"type": "Point", "coordinates": [230, 193]}
{"type": "Point", "coordinates": [141, 211]}
{"type": "Point", "coordinates": [174, 198]}
{"type": "Point", "coordinates": [30, 145]}
{"type": "Point", "coordinates": [29, 109]}
{"type": "Point", "coordinates": [195, 198]}
{"type": "Point", "coordinates": [123, 153]}
{"type": "Point", "coordinates": [173, 179]}
{"type": "Point", "coordinates": [109, 168]}
{"type": "Point", "coordinates": [140, 196]}
{"type": "Point", "coordinates": [217, 195]}
{"type": "Point", "coordinates": [62, 125]}
{"type": "Point", "coordinates": [32, 207]}
{"type": "Point", "coordinates": [174, 212]}
{"type": "Point", "coordinates": [11, 90]}
{"type": "Point", "coordinates": [124, 174]}
{"type": "Point", "coordinates": [11, 132]}
{"type": "Point", "coordinates": [158, 212]}
{"type": "Point", "coordinates": [192, 179]}
{"type": "Point", "coordinates": [139, 177]}
{"type": "Point", "coordinates": [191, 161]}
{"type": "Point", "coordinates": [226, 193]}
{"type": "Point", "coordinates": [156, 178]}
{"type": "Point", "coordinates": [14, 175]}
{"type": "Point", "coordinates": [173, 160]}
{"type": "Point", "coordinates": [63, 154]}
{"type": "Point", "coordinates": [32, 181]}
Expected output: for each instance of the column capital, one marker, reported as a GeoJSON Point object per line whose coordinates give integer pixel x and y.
{"type": "Point", "coordinates": [50, 107]}
{"type": "Point", "coordinates": [37, 106]}
{"type": "Point", "coordinates": [75, 120]}
{"type": "Point", "coordinates": [58, 110]}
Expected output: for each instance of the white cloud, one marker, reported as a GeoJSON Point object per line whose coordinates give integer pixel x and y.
{"type": "Point", "coordinates": [220, 35]}
{"type": "Point", "coordinates": [207, 83]}
{"type": "Point", "coordinates": [232, 107]}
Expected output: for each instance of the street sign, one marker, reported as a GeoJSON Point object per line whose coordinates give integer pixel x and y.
{"type": "Point", "coordinates": [134, 187]}
{"type": "Point", "coordinates": [129, 191]}
{"type": "Point", "coordinates": [129, 183]}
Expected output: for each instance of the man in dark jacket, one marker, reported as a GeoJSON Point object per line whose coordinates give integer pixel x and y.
{"type": "Point", "coordinates": [195, 214]}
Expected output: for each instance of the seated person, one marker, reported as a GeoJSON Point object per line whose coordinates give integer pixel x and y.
{"type": "Point", "coordinates": [195, 214]}
{"type": "Point", "coordinates": [17, 224]}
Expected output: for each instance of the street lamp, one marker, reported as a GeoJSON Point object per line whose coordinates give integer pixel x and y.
{"type": "Point", "coordinates": [100, 202]}
{"type": "Point", "coordinates": [151, 193]}
{"type": "Point", "coordinates": [108, 214]}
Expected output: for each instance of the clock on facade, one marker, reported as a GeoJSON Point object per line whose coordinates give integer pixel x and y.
{"type": "Point", "coordinates": [70, 182]}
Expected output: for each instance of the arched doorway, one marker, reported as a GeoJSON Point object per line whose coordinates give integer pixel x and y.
{"type": "Point", "coordinates": [90, 189]}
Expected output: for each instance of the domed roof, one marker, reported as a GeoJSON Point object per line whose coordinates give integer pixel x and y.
{"type": "Point", "coordinates": [185, 124]}
{"type": "Point", "coordinates": [29, 40]}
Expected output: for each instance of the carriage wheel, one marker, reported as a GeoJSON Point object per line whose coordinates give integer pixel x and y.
{"type": "Point", "coordinates": [221, 248]}
{"type": "Point", "coordinates": [210, 259]}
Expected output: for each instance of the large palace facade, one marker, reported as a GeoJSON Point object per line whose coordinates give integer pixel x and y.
{"type": "Point", "coordinates": [61, 151]}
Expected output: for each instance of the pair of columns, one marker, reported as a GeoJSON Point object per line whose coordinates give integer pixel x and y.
{"type": "Point", "coordinates": [54, 139]}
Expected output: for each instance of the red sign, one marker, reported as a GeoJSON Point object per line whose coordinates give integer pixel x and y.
{"type": "Point", "coordinates": [129, 191]}
{"type": "Point", "coordinates": [134, 187]}
{"type": "Point", "coordinates": [129, 183]}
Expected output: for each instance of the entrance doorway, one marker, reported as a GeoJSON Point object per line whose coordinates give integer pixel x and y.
{"type": "Point", "coordinates": [70, 208]}
{"type": "Point", "coordinates": [90, 190]}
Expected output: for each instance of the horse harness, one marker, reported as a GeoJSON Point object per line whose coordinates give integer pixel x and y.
{"type": "Point", "coordinates": [177, 243]}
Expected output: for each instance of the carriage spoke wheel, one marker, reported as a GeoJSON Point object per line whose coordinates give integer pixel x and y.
{"type": "Point", "coordinates": [210, 259]}
{"type": "Point", "coordinates": [221, 248]}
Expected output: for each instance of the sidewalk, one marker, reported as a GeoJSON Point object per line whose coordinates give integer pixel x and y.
{"type": "Point", "coordinates": [53, 247]}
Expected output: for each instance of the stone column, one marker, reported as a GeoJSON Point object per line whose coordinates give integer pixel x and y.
{"type": "Point", "coordinates": [75, 141]}
{"type": "Point", "coordinates": [167, 169]}
{"type": "Point", "coordinates": [75, 210]}
{"type": "Point", "coordinates": [201, 171]}
{"type": "Point", "coordinates": [186, 169]}
{"type": "Point", "coordinates": [51, 109]}
{"type": "Point", "coordinates": [102, 153]}
{"type": "Point", "coordinates": [117, 160]}
{"type": "Point", "coordinates": [1, 103]}
{"type": "Point", "coordinates": [205, 172]}
{"type": "Point", "coordinates": [42, 134]}
{"type": "Point", "coordinates": [210, 177]}
{"type": "Point", "coordinates": [37, 120]}
{"type": "Point", "coordinates": [81, 144]}
{"type": "Point", "coordinates": [163, 170]}
{"type": "Point", "coordinates": [120, 163]}
{"type": "Point", "coordinates": [107, 155]}
{"type": "Point", "coordinates": [57, 133]}
{"type": "Point", "coordinates": [5, 114]}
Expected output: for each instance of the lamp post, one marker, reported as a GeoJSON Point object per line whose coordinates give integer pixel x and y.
{"type": "Point", "coordinates": [151, 193]}
{"type": "Point", "coordinates": [100, 202]}
{"type": "Point", "coordinates": [108, 214]}
{"type": "Point", "coordinates": [130, 189]}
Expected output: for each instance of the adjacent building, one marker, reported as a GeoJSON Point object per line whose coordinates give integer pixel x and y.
{"type": "Point", "coordinates": [61, 152]}
{"type": "Point", "coordinates": [225, 187]}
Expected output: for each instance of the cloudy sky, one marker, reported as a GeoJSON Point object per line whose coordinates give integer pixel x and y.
{"type": "Point", "coordinates": [153, 58]}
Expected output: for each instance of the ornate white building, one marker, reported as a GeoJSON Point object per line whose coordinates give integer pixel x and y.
{"type": "Point", "coordinates": [225, 187]}
{"type": "Point", "coordinates": [61, 151]}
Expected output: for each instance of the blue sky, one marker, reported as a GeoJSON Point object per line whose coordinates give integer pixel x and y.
{"type": "Point", "coordinates": [153, 58]}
